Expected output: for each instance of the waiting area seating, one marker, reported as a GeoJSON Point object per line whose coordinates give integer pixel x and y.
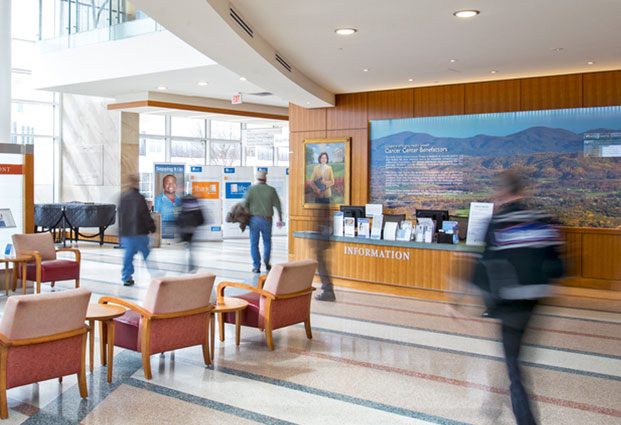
{"type": "Point", "coordinates": [42, 336]}
{"type": "Point", "coordinates": [282, 298]}
{"type": "Point", "coordinates": [46, 266]}
{"type": "Point", "coordinates": [175, 314]}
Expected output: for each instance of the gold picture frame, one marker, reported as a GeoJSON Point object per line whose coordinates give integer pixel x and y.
{"type": "Point", "coordinates": [327, 183]}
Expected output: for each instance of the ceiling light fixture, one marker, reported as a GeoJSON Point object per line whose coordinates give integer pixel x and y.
{"type": "Point", "coordinates": [161, 87]}
{"type": "Point", "coordinates": [466, 13]}
{"type": "Point", "coordinates": [557, 49]}
{"type": "Point", "coordinates": [590, 63]}
{"type": "Point", "coordinates": [242, 78]}
{"type": "Point", "coordinates": [202, 83]}
{"type": "Point", "coordinates": [493, 71]}
{"type": "Point", "coordinates": [345, 31]}
{"type": "Point", "coordinates": [411, 79]}
{"type": "Point", "coordinates": [452, 60]}
{"type": "Point", "coordinates": [365, 70]}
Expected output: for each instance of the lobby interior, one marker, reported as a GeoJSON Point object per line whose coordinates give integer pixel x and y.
{"type": "Point", "coordinates": [92, 93]}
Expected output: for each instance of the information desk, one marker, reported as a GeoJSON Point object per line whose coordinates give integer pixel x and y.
{"type": "Point", "coordinates": [358, 262]}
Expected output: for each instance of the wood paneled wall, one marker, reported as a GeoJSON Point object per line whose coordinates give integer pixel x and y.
{"type": "Point", "coordinates": [595, 256]}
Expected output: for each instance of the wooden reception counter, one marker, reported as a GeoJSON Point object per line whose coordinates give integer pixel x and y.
{"type": "Point", "coordinates": [388, 266]}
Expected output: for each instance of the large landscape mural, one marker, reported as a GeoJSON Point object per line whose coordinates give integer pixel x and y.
{"type": "Point", "coordinates": [572, 156]}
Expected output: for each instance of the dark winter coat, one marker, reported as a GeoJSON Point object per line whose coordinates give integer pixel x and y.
{"type": "Point", "coordinates": [134, 216]}
{"type": "Point", "coordinates": [239, 214]}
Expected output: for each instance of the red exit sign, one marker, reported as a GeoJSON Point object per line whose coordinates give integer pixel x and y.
{"type": "Point", "coordinates": [236, 99]}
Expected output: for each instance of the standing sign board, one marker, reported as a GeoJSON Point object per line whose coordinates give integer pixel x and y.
{"type": "Point", "coordinates": [206, 185]}
{"type": "Point", "coordinates": [478, 221]}
{"type": "Point", "coordinates": [236, 181]}
{"type": "Point", "coordinates": [12, 189]}
{"type": "Point", "coordinates": [169, 184]}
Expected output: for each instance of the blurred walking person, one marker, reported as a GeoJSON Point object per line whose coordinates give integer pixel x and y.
{"type": "Point", "coordinates": [189, 219]}
{"type": "Point", "coordinates": [321, 245]}
{"type": "Point", "coordinates": [520, 259]}
{"type": "Point", "coordinates": [261, 199]}
{"type": "Point", "coordinates": [135, 224]}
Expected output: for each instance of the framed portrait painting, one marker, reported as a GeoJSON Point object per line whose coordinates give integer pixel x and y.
{"type": "Point", "coordinates": [326, 172]}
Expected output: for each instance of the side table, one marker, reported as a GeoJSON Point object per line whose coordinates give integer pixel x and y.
{"type": "Point", "coordinates": [20, 260]}
{"type": "Point", "coordinates": [227, 305]}
{"type": "Point", "coordinates": [106, 315]}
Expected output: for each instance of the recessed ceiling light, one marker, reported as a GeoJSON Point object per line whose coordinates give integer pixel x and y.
{"type": "Point", "coordinates": [242, 78]}
{"type": "Point", "coordinates": [493, 71]}
{"type": "Point", "coordinates": [308, 103]}
{"type": "Point", "coordinates": [452, 60]}
{"type": "Point", "coordinates": [365, 70]}
{"type": "Point", "coordinates": [590, 63]}
{"type": "Point", "coordinates": [557, 49]}
{"type": "Point", "coordinates": [161, 87]}
{"type": "Point", "coordinates": [202, 83]}
{"type": "Point", "coordinates": [411, 79]}
{"type": "Point", "coordinates": [345, 31]}
{"type": "Point", "coordinates": [466, 13]}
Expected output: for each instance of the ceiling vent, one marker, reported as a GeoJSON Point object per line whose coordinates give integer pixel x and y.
{"type": "Point", "coordinates": [283, 62]}
{"type": "Point", "coordinates": [244, 26]}
{"type": "Point", "coordinates": [261, 94]}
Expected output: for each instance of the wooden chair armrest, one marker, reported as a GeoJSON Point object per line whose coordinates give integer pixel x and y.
{"type": "Point", "coordinates": [127, 304]}
{"type": "Point", "coordinates": [262, 280]}
{"type": "Point", "coordinates": [35, 254]}
{"type": "Point", "coordinates": [240, 285]}
{"type": "Point", "coordinates": [296, 294]}
{"type": "Point", "coordinates": [75, 251]}
{"type": "Point", "coordinates": [4, 340]}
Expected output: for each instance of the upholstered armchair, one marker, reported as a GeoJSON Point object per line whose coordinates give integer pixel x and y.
{"type": "Point", "coordinates": [281, 299]}
{"type": "Point", "coordinates": [42, 337]}
{"type": "Point", "coordinates": [46, 267]}
{"type": "Point", "coordinates": [175, 314]}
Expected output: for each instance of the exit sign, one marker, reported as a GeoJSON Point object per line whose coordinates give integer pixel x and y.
{"type": "Point", "coordinates": [236, 99]}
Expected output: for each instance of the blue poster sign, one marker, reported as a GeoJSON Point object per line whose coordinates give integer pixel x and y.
{"type": "Point", "coordinates": [229, 170]}
{"type": "Point", "coordinates": [170, 168]}
{"type": "Point", "coordinates": [262, 169]}
{"type": "Point", "coordinates": [196, 169]}
{"type": "Point", "coordinates": [216, 228]}
{"type": "Point", "coordinates": [236, 190]}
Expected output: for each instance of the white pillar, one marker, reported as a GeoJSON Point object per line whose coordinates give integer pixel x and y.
{"type": "Point", "coordinates": [5, 71]}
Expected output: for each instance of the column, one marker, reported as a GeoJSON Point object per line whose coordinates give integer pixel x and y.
{"type": "Point", "coordinates": [5, 71]}
{"type": "Point", "coordinates": [129, 144]}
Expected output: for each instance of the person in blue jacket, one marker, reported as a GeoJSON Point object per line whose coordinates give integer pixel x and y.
{"type": "Point", "coordinates": [166, 203]}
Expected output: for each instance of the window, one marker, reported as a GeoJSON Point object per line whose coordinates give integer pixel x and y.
{"type": "Point", "coordinates": [225, 130]}
{"type": "Point", "coordinates": [282, 155]}
{"type": "Point", "coordinates": [21, 88]}
{"type": "Point", "coordinates": [152, 124]}
{"type": "Point", "coordinates": [187, 127]}
{"type": "Point", "coordinates": [44, 169]}
{"type": "Point", "coordinates": [223, 153]}
{"type": "Point", "coordinates": [187, 151]}
{"type": "Point", "coordinates": [32, 118]}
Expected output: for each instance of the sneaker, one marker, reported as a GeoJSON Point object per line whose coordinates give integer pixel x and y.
{"type": "Point", "coordinates": [129, 282]}
{"type": "Point", "coordinates": [325, 296]}
{"type": "Point", "coordinates": [256, 270]}
{"type": "Point", "coordinates": [268, 267]}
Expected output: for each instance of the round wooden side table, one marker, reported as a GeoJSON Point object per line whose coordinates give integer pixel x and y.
{"type": "Point", "coordinates": [20, 260]}
{"type": "Point", "coordinates": [105, 314]}
{"type": "Point", "coordinates": [228, 305]}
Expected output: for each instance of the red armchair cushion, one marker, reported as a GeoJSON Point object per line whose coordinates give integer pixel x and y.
{"type": "Point", "coordinates": [126, 330]}
{"type": "Point", "coordinates": [54, 270]}
{"type": "Point", "coordinates": [250, 316]}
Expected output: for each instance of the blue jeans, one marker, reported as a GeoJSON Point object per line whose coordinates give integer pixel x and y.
{"type": "Point", "coordinates": [132, 245]}
{"type": "Point", "coordinates": [263, 227]}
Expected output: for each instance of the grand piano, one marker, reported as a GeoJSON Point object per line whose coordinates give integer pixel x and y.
{"type": "Point", "coordinates": [73, 216]}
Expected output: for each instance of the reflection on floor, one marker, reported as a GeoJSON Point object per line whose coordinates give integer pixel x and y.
{"type": "Point", "coordinates": [374, 359]}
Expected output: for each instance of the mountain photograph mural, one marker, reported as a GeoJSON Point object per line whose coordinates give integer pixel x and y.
{"type": "Point", "coordinates": [572, 158]}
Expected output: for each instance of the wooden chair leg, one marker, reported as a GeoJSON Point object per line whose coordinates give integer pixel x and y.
{"type": "Point", "coordinates": [38, 287]}
{"type": "Point", "coordinates": [77, 283]}
{"type": "Point", "coordinates": [221, 325]}
{"type": "Point", "coordinates": [146, 363]}
{"type": "Point", "coordinates": [270, 340]}
{"type": "Point", "coordinates": [23, 280]}
{"type": "Point", "coordinates": [103, 338]}
{"type": "Point", "coordinates": [212, 335]}
{"type": "Point", "coordinates": [207, 342]}
{"type": "Point", "coordinates": [82, 372]}
{"type": "Point", "coordinates": [307, 327]}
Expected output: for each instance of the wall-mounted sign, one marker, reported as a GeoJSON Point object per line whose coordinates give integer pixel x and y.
{"type": "Point", "coordinates": [11, 169]}
{"type": "Point", "coordinates": [392, 254]}
{"type": "Point", "coordinates": [206, 189]}
{"type": "Point", "coordinates": [229, 170]}
{"type": "Point", "coordinates": [236, 99]}
{"type": "Point", "coordinates": [196, 169]}
{"type": "Point", "coordinates": [236, 190]}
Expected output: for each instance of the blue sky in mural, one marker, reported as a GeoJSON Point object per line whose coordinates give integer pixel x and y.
{"type": "Point", "coordinates": [502, 124]}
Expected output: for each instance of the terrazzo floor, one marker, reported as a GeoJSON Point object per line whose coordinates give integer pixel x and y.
{"type": "Point", "coordinates": [373, 359]}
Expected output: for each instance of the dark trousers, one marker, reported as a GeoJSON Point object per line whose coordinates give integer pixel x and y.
{"type": "Point", "coordinates": [322, 266]}
{"type": "Point", "coordinates": [514, 319]}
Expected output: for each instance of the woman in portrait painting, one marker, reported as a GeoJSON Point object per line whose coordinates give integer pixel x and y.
{"type": "Point", "coordinates": [322, 179]}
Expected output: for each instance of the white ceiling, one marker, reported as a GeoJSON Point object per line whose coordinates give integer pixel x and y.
{"type": "Point", "coordinates": [222, 84]}
{"type": "Point", "coordinates": [402, 39]}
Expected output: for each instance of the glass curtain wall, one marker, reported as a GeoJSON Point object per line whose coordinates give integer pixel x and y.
{"type": "Point", "coordinates": [34, 113]}
{"type": "Point", "coordinates": [198, 141]}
